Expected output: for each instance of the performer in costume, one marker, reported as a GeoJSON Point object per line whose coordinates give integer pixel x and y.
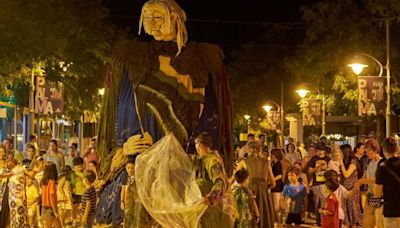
{"type": "Point", "coordinates": [167, 85]}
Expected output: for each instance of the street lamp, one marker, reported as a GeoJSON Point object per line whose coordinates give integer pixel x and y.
{"type": "Point", "coordinates": [388, 108]}
{"type": "Point", "coordinates": [247, 118]}
{"type": "Point", "coordinates": [268, 107]}
{"type": "Point", "coordinates": [102, 91]}
{"type": "Point", "coordinates": [302, 92]}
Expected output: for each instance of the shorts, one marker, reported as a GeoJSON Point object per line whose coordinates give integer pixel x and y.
{"type": "Point", "coordinates": [76, 199]}
{"type": "Point", "coordinates": [294, 218]}
{"type": "Point", "coordinates": [32, 210]}
{"type": "Point", "coordinates": [47, 213]}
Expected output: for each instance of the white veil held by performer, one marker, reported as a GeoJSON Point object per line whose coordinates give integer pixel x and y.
{"type": "Point", "coordinates": [166, 184]}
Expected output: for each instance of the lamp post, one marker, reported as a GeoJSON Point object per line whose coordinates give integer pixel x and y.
{"type": "Point", "coordinates": [267, 108]}
{"type": "Point", "coordinates": [247, 118]}
{"type": "Point", "coordinates": [358, 67]}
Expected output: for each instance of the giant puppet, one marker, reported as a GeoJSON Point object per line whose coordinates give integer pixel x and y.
{"type": "Point", "coordinates": [155, 88]}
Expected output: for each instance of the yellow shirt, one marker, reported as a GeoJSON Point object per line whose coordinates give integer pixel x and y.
{"type": "Point", "coordinates": [32, 194]}
{"type": "Point", "coordinates": [77, 183]}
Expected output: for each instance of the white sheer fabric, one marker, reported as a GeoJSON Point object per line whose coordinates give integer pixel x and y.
{"type": "Point", "coordinates": [166, 184]}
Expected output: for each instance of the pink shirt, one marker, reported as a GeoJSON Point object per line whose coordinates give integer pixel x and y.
{"type": "Point", "coordinates": [92, 156]}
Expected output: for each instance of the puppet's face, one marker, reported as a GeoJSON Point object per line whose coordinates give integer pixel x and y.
{"type": "Point", "coordinates": [155, 22]}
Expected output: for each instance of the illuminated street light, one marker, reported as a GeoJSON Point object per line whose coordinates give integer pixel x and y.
{"type": "Point", "coordinates": [357, 67]}
{"type": "Point", "coordinates": [302, 92]}
{"type": "Point", "coordinates": [267, 108]}
{"type": "Point", "coordinates": [247, 117]}
{"type": "Point", "coordinates": [102, 91]}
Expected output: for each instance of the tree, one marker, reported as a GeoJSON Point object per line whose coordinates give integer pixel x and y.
{"type": "Point", "coordinates": [69, 40]}
{"type": "Point", "coordinates": [336, 30]}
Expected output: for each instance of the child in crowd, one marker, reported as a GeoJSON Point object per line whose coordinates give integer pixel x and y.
{"type": "Point", "coordinates": [42, 153]}
{"type": "Point", "coordinates": [64, 193]}
{"type": "Point", "coordinates": [50, 214]}
{"type": "Point", "coordinates": [341, 194]}
{"type": "Point", "coordinates": [334, 164]}
{"type": "Point", "coordinates": [330, 213]}
{"type": "Point", "coordinates": [98, 183]}
{"type": "Point", "coordinates": [303, 179]}
{"type": "Point", "coordinates": [245, 201]}
{"type": "Point", "coordinates": [38, 168]}
{"type": "Point", "coordinates": [135, 215]}
{"type": "Point", "coordinates": [32, 198]}
{"type": "Point", "coordinates": [295, 198]}
{"type": "Point", "coordinates": [77, 186]}
{"type": "Point", "coordinates": [69, 159]}
{"type": "Point", "coordinates": [88, 205]}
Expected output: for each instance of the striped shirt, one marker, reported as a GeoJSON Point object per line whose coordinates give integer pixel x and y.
{"type": "Point", "coordinates": [89, 196]}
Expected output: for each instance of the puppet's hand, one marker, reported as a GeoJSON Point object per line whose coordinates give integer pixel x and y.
{"type": "Point", "coordinates": [137, 144]}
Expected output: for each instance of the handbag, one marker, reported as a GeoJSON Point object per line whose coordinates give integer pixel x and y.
{"type": "Point", "coordinates": [378, 202]}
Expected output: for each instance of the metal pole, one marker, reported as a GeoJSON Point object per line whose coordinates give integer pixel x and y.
{"type": "Point", "coordinates": [15, 128]}
{"type": "Point", "coordinates": [388, 111]}
{"type": "Point", "coordinates": [323, 115]}
{"type": "Point", "coordinates": [32, 103]}
{"type": "Point", "coordinates": [282, 116]}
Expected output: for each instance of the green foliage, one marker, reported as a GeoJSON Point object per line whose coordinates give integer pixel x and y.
{"type": "Point", "coordinates": [42, 34]}
{"type": "Point", "coordinates": [336, 30]}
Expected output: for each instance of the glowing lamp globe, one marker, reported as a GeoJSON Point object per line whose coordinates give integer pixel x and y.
{"type": "Point", "coordinates": [357, 67]}
{"type": "Point", "coordinates": [267, 108]}
{"type": "Point", "coordinates": [302, 92]}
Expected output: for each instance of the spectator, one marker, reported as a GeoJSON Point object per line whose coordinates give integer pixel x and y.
{"type": "Point", "coordinates": [33, 142]}
{"type": "Point", "coordinates": [292, 154]}
{"type": "Point", "coordinates": [388, 182]}
{"type": "Point", "coordinates": [88, 207]}
{"type": "Point", "coordinates": [91, 154]}
{"type": "Point", "coordinates": [359, 153]}
{"type": "Point", "coordinates": [276, 157]}
{"type": "Point", "coordinates": [249, 215]}
{"type": "Point", "coordinates": [317, 167]}
{"type": "Point", "coordinates": [297, 193]}
{"type": "Point", "coordinates": [64, 195]}
{"type": "Point", "coordinates": [50, 214]}
{"type": "Point", "coordinates": [77, 152]}
{"type": "Point", "coordinates": [70, 157]}
{"type": "Point", "coordinates": [53, 155]}
{"type": "Point", "coordinates": [244, 150]}
{"type": "Point", "coordinates": [77, 186]}
{"type": "Point", "coordinates": [312, 150]}
{"type": "Point", "coordinates": [30, 155]}
{"type": "Point", "coordinates": [371, 216]}
{"type": "Point", "coordinates": [9, 146]}
{"type": "Point", "coordinates": [32, 198]}
{"type": "Point", "coordinates": [348, 168]}
{"type": "Point", "coordinates": [328, 149]}
{"type": "Point", "coordinates": [261, 140]}
{"type": "Point", "coordinates": [330, 212]}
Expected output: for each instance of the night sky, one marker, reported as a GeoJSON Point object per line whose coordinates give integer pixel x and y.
{"type": "Point", "coordinates": [227, 23]}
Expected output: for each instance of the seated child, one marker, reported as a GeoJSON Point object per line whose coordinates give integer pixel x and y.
{"type": "Point", "coordinates": [245, 201]}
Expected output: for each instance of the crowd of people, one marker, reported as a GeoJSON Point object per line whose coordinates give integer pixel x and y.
{"type": "Point", "coordinates": [47, 188]}
{"type": "Point", "coordinates": [336, 185]}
